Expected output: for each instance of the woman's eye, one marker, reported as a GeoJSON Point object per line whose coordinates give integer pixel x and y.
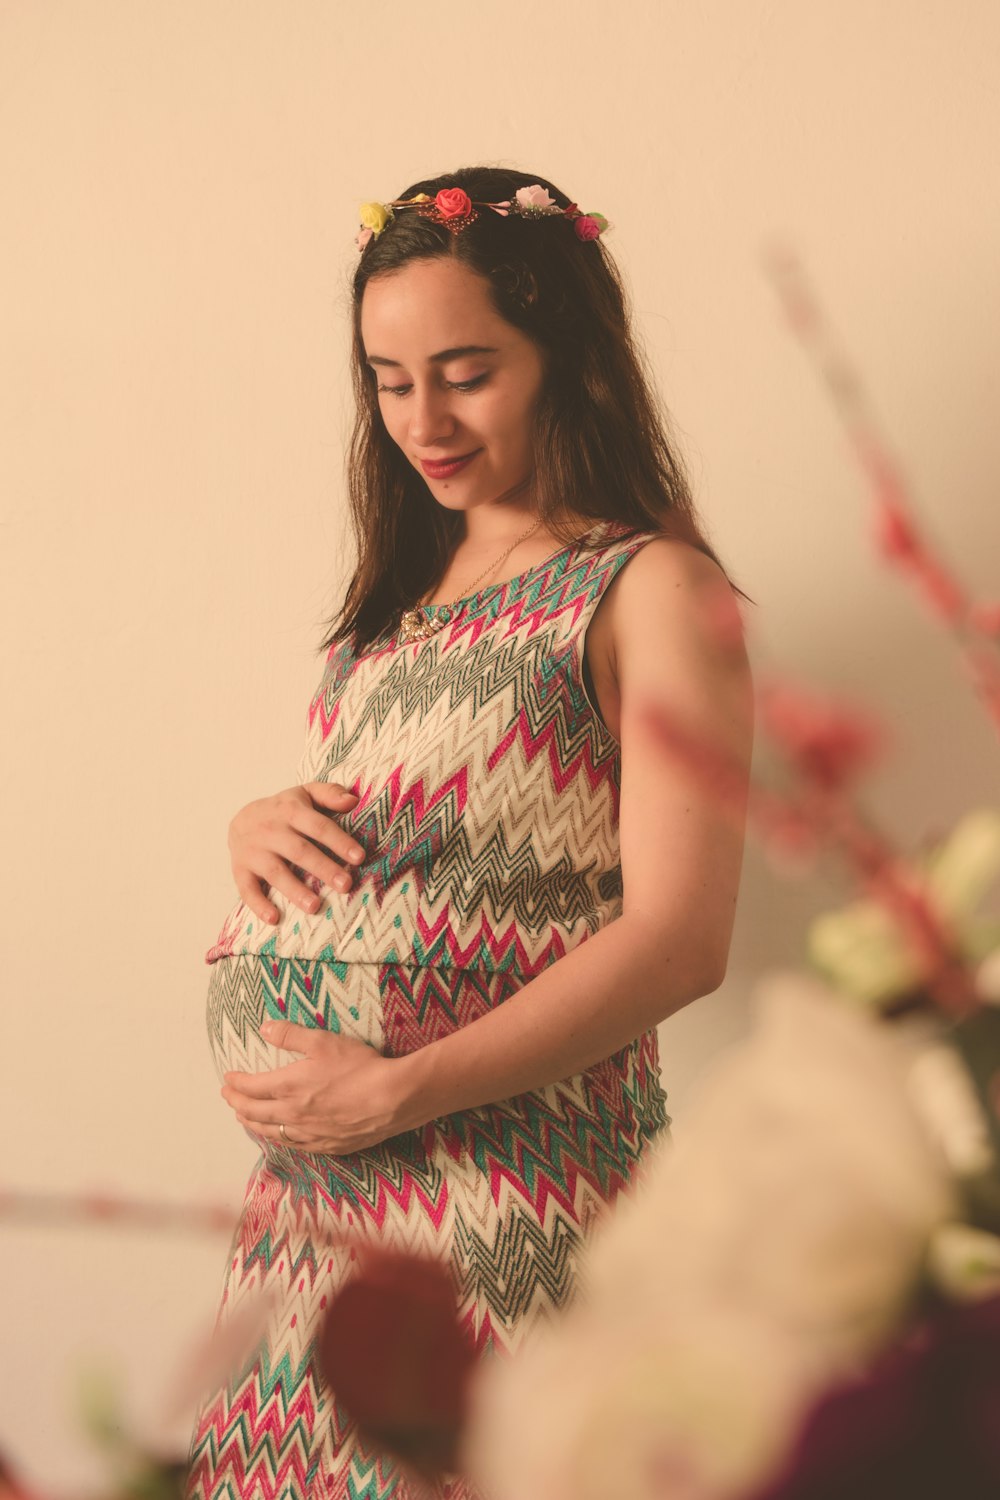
{"type": "Point", "coordinates": [455, 385]}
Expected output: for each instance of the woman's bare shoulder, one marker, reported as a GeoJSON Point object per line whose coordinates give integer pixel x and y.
{"type": "Point", "coordinates": [668, 585]}
{"type": "Point", "coordinates": [670, 558]}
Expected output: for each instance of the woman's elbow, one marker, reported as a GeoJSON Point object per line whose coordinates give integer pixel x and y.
{"type": "Point", "coordinates": [716, 979]}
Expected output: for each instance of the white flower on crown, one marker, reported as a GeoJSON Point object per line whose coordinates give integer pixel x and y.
{"type": "Point", "coordinates": [536, 199]}
{"type": "Point", "coordinates": [535, 196]}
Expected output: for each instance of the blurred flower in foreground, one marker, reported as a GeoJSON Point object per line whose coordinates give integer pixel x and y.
{"type": "Point", "coordinates": [774, 1249]}
{"type": "Point", "coordinates": [136, 1472]}
{"type": "Point", "coordinates": [922, 1423]}
{"type": "Point", "coordinates": [392, 1350]}
{"type": "Point", "coordinates": [860, 947]}
{"type": "Point", "coordinates": [964, 1262]}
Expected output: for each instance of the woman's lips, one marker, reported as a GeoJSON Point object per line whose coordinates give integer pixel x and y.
{"type": "Point", "coordinates": [444, 471]}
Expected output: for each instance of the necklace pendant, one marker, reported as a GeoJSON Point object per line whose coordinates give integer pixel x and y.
{"type": "Point", "coordinates": [409, 626]}
{"type": "Point", "coordinates": [414, 626]}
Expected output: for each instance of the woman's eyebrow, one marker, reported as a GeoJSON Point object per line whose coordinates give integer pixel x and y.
{"type": "Point", "coordinates": [440, 358]}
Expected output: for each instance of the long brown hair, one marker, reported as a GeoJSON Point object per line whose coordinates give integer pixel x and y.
{"type": "Point", "coordinates": [600, 440]}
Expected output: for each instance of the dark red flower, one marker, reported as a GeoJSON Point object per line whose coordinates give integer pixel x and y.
{"type": "Point", "coordinates": [393, 1352]}
{"type": "Point", "coordinates": [923, 1423]}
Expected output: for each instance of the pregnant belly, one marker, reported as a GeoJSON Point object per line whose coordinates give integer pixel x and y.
{"type": "Point", "coordinates": [246, 990]}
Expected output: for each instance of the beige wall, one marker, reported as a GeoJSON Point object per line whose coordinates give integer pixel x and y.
{"type": "Point", "coordinates": [179, 186]}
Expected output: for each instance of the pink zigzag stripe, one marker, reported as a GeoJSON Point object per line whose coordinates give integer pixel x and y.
{"type": "Point", "coordinates": [411, 1189]}
{"type": "Point", "coordinates": [403, 1199]}
{"type": "Point", "coordinates": [547, 740]}
{"type": "Point", "coordinates": [546, 1188]}
{"type": "Point", "coordinates": [325, 724]}
{"type": "Point", "coordinates": [418, 798]}
{"type": "Point", "coordinates": [519, 612]}
{"type": "Point", "coordinates": [261, 1423]}
{"type": "Point", "coordinates": [498, 945]}
{"type": "Point", "coordinates": [536, 616]}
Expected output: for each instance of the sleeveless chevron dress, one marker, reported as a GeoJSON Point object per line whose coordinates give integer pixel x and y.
{"type": "Point", "coordinates": [487, 789]}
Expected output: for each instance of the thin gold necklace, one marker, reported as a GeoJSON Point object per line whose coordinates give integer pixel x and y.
{"type": "Point", "coordinates": [416, 626]}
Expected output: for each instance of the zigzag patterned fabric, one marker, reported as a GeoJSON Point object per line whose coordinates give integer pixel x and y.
{"type": "Point", "coordinates": [487, 805]}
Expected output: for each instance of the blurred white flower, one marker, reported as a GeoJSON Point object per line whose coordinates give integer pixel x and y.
{"type": "Point", "coordinates": [965, 1262]}
{"type": "Point", "coordinates": [944, 1093]}
{"type": "Point", "coordinates": [861, 948]}
{"type": "Point", "coordinates": [771, 1249]}
{"type": "Point", "coordinates": [988, 978]}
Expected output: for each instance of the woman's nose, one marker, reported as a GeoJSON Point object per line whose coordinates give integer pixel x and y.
{"type": "Point", "coordinates": [431, 419]}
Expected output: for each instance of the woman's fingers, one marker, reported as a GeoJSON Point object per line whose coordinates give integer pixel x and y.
{"type": "Point", "coordinates": [326, 830]}
{"type": "Point", "coordinates": [326, 791]}
{"type": "Point", "coordinates": [253, 894]}
{"type": "Point", "coordinates": [275, 841]}
{"type": "Point", "coordinates": [319, 837]}
{"type": "Point", "coordinates": [275, 869]}
{"type": "Point", "coordinates": [312, 852]}
{"type": "Point", "coordinates": [302, 852]}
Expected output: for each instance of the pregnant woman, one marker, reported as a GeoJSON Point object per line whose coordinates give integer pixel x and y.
{"type": "Point", "coordinates": [434, 1005]}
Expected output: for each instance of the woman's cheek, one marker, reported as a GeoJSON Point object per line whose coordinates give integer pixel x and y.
{"type": "Point", "coordinates": [393, 423]}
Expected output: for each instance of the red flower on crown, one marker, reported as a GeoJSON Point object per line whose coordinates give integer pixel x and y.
{"type": "Point", "coordinates": [453, 203]}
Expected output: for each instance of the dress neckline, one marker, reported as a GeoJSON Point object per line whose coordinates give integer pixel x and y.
{"type": "Point", "coordinates": [518, 577]}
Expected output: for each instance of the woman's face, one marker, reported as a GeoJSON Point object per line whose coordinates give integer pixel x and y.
{"type": "Point", "coordinates": [454, 380]}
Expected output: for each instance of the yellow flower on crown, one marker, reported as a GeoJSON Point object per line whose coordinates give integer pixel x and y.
{"type": "Point", "coordinates": [375, 216]}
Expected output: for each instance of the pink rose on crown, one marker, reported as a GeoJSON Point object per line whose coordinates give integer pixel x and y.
{"type": "Point", "coordinates": [453, 203]}
{"type": "Point", "coordinates": [587, 227]}
{"type": "Point", "coordinates": [534, 197]}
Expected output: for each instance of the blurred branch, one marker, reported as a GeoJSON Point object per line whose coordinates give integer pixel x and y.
{"type": "Point", "coordinates": [898, 538]}
{"type": "Point", "coordinates": [39, 1208]}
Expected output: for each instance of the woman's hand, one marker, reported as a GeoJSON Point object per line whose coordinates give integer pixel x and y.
{"type": "Point", "coordinates": [340, 1096]}
{"type": "Point", "coordinates": [268, 835]}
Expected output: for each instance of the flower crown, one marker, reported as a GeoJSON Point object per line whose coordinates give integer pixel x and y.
{"type": "Point", "coordinates": [456, 210]}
